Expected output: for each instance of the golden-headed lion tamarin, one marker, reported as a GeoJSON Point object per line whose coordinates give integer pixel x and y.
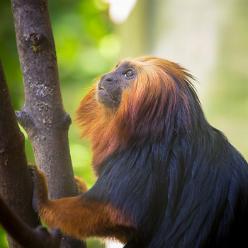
{"type": "Point", "coordinates": [166, 178]}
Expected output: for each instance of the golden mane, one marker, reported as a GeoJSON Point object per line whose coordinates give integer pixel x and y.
{"type": "Point", "coordinates": [145, 106]}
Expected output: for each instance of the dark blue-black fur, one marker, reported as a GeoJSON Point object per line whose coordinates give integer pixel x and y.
{"type": "Point", "coordinates": [188, 188]}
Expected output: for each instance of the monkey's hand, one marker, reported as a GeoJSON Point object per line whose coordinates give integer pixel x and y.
{"type": "Point", "coordinates": [40, 194]}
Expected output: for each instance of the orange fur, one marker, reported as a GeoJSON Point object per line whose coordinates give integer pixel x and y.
{"type": "Point", "coordinates": [81, 184]}
{"type": "Point", "coordinates": [82, 218]}
{"type": "Point", "coordinates": [78, 216]}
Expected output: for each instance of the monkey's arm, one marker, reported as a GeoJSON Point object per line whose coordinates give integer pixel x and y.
{"type": "Point", "coordinates": [79, 216]}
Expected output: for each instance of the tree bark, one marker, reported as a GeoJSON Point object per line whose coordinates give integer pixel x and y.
{"type": "Point", "coordinates": [43, 116]}
{"type": "Point", "coordinates": [15, 181]}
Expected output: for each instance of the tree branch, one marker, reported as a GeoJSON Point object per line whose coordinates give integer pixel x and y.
{"type": "Point", "coordinates": [15, 181]}
{"type": "Point", "coordinates": [26, 236]}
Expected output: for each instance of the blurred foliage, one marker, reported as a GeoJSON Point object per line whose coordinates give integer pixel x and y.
{"type": "Point", "coordinates": [3, 240]}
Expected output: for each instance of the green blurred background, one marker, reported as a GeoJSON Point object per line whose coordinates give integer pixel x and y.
{"type": "Point", "coordinates": [208, 37]}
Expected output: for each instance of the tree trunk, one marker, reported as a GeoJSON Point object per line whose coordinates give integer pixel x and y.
{"type": "Point", "coordinates": [15, 181]}
{"type": "Point", "coordinates": [43, 116]}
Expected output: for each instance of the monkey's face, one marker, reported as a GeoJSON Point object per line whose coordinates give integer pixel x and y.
{"type": "Point", "coordinates": [112, 84]}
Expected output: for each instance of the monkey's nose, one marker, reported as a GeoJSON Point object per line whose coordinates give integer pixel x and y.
{"type": "Point", "coordinates": [100, 86]}
{"type": "Point", "coordinates": [107, 77]}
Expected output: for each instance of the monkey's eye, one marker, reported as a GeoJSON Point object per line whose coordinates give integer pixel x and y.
{"type": "Point", "coordinates": [128, 74]}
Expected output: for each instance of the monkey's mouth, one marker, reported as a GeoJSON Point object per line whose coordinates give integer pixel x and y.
{"type": "Point", "coordinates": [105, 97]}
{"type": "Point", "coordinates": [103, 92]}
